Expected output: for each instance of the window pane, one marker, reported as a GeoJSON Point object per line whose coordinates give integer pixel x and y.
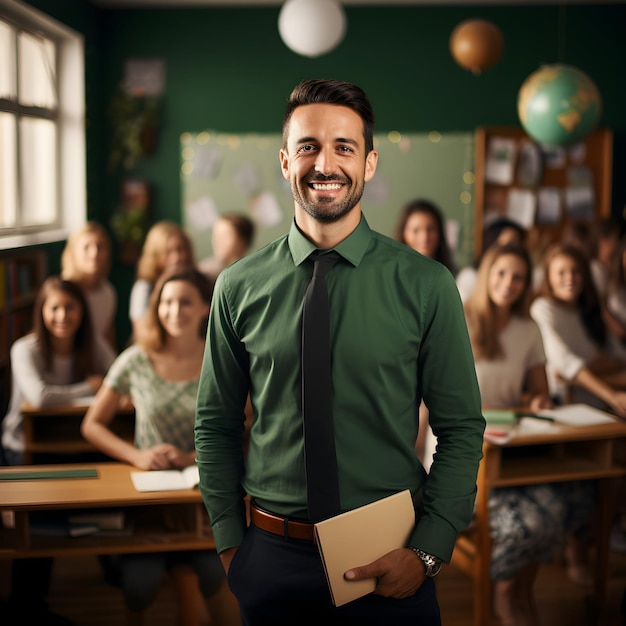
{"type": "Point", "coordinates": [37, 163]}
{"type": "Point", "coordinates": [7, 62]}
{"type": "Point", "coordinates": [36, 61]}
{"type": "Point", "coordinates": [8, 175]}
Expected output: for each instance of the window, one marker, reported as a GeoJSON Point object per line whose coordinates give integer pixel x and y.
{"type": "Point", "coordinates": [42, 142]}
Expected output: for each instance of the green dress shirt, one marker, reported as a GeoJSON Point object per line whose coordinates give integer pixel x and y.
{"type": "Point", "coordinates": [398, 335]}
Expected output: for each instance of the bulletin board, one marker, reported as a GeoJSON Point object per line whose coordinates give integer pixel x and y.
{"type": "Point", "coordinates": [222, 173]}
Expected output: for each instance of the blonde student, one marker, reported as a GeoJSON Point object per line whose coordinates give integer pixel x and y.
{"type": "Point", "coordinates": [160, 373]}
{"type": "Point", "coordinates": [167, 245]}
{"type": "Point", "coordinates": [86, 259]}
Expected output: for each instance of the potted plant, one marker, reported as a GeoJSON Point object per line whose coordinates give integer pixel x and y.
{"type": "Point", "coordinates": [135, 121]}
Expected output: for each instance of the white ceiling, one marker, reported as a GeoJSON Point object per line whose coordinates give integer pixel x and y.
{"type": "Point", "coordinates": [259, 3]}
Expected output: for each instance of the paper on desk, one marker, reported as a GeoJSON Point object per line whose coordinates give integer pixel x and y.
{"type": "Point", "coordinates": [578, 415]}
{"type": "Point", "coordinates": [166, 480]}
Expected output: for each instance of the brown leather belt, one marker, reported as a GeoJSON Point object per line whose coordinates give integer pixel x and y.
{"type": "Point", "coordinates": [281, 525]}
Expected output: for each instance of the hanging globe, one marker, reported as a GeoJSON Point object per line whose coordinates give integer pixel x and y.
{"type": "Point", "coordinates": [476, 45]}
{"type": "Point", "coordinates": [312, 27]}
{"type": "Point", "coordinates": [558, 105]}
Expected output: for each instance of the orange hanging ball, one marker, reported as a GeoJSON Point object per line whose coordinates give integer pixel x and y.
{"type": "Point", "coordinates": [476, 45]}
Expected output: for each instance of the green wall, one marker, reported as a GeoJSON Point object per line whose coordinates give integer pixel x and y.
{"type": "Point", "coordinates": [228, 70]}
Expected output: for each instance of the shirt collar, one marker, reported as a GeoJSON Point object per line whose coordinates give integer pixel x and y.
{"type": "Point", "coordinates": [352, 248]}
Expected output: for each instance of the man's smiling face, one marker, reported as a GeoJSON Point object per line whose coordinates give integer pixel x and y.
{"type": "Point", "coordinates": [325, 160]}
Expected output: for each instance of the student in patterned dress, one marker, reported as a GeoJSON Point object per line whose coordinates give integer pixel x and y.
{"type": "Point", "coordinates": [160, 373]}
{"type": "Point", "coordinates": [527, 524]}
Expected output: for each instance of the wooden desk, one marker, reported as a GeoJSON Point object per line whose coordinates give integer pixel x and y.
{"type": "Point", "coordinates": [55, 430]}
{"type": "Point", "coordinates": [565, 453]}
{"type": "Point", "coordinates": [150, 513]}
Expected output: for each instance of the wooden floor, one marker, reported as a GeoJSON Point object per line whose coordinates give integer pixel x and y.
{"type": "Point", "coordinates": [79, 593]}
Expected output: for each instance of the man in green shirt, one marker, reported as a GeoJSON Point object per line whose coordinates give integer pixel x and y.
{"type": "Point", "coordinates": [398, 335]}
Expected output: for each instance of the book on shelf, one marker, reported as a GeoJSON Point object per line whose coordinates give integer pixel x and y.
{"type": "Point", "coordinates": [166, 480]}
{"type": "Point", "coordinates": [359, 537]}
{"type": "Point", "coordinates": [62, 529]}
{"type": "Point", "coordinates": [111, 519]}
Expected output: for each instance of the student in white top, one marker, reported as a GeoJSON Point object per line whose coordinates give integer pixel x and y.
{"type": "Point", "coordinates": [528, 524]}
{"type": "Point", "coordinates": [575, 338]}
{"type": "Point", "coordinates": [498, 232]}
{"type": "Point", "coordinates": [60, 360]}
{"type": "Point", "coordinates": [86, 260]}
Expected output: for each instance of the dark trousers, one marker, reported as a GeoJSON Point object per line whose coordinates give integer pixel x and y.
{"type": "Point", "coordinates": [279, 581]}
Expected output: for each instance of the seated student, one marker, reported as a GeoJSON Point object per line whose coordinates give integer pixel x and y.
{"type": "Point", "coordinates": [574, 335]}
{"type": "Point", "coordinates": [231, 240]}
{"type": "Point", "coordinates": [500, 231]}
{"type": "Point", "coordinates": [86, 259]}
{"type": "Point", "coordinates": [528, 523]}
{"type": "Point", "coordinates": [166, 245]}
{"type": "Point", "coordinates": [160, 373]}
{"type": "Point", "coordinates": [420, 225]}
{"type": "Point", "coordinates": [60, 360]}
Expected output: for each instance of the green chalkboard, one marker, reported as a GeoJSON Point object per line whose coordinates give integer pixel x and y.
{"type": "Point", "coordinates": [222, 173]}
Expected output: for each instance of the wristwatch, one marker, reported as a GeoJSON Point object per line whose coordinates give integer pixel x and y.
{"type": "Point", "coordinates": [432, 564]}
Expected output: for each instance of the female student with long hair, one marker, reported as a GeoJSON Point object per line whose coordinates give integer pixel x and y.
{"type": "Point", "coordinates": [569, 315]}
{"type": "Point", "coordinates": [60, 360]}
{"type": "Point", "coordinates": [86, 259]}
{"type": "Point", "coordinates": [160, 373]}
{"type": "Point", "coordinates": [167, 245]}
{"type": "Point", "coordinates": [420, 226]}
{"type": "Point", "coordinates": [529, 523]}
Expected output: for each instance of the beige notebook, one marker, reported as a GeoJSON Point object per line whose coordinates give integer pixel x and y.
{"type": "Point", "coordinates": [359, 537]}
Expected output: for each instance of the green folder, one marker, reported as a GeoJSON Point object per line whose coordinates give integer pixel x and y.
{"type": "Point", "coordinates": [50, 474]}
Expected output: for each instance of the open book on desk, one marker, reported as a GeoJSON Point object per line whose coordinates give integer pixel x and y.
{"type": "Point", "coordinates": [502, 425]}
{"type": "Point", "coordinates": [166, 480]}
{"type": "Point", "coordinates": [359, 537]}
{"type": "Point", "coordinates": [576, 415]}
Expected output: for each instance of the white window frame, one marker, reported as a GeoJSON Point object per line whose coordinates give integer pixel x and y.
{"type": "Point", "coordinates": [71, 165]}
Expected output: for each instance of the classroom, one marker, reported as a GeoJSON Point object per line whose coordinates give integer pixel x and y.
{"type": "Point", "coordinates": [205, 83]}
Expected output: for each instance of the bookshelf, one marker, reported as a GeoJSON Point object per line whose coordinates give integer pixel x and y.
{"type": "Point", "coordinates": [21, 275]}
{"type": "Point", "coordinates": [541, 188]}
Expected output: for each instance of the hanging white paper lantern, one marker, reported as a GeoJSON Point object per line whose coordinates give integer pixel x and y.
{"type": "Point", "coordinates": [312, 27]}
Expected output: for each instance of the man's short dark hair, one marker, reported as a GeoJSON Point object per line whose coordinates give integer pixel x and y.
{"type": "Point", "coordinates": [321, 91]}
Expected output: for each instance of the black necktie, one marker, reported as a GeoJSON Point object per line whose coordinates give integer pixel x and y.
{"type": "Point", "coordinates": [319, 437]}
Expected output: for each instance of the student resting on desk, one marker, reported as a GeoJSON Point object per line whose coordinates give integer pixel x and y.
{"type": "Point", "coordinates": [167, 245]}
{"type": "Point", "coordinates": [86, 259]}
{"type": "Point", "coordinates": [60, 360]}
{"type": "Point", "coordinates": [527, 524]}
{"type": "Point", "coordinates": [397, 335]}
{"type": "Point", "coordinates": [575, 338]}
{"type": "Point", "coordinates": [160, 373]}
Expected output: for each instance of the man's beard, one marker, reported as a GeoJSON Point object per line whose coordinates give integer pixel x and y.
{"type": "Point", "coordinates": [319, 208]}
